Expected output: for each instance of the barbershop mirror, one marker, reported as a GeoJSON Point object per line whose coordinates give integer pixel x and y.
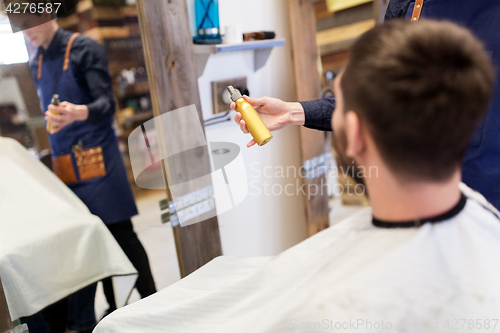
{"type": "Point", "coordinates": [102, 72]}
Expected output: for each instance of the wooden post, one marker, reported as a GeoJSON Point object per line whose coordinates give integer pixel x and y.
{"type": "Point", "coordinates": [5, 320]}
{"type": "Point", "coordinates": [379, 8]}
{"type": "Point", "coordinates": [172, 78]}
{"type": "Point", "coordinates": [307, 84]}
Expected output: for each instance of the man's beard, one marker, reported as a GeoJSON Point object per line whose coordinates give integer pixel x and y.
{"type": "Point", "coordinates": [345, 163]}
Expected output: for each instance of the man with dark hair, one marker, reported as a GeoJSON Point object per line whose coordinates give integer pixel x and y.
{"type": "Point", "coordinates": [421, 259]}
{"type": "Point", "coordinates": [448, 80]}
{"type": "Point", "coordinates": [480, 165]}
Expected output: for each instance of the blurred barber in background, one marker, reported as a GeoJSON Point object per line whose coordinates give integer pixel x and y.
{"type": "Point", "coordinates": [85, 152]}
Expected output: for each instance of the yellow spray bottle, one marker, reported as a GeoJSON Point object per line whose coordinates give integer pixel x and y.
{"type": "Point", "coordinates": [254, 123]}
{"type": "Point", "coordinates": [55, 101]}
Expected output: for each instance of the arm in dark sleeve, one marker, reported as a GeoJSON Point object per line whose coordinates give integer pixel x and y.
{"type": "Point", "coordinates": [397, 9]}
{"type": "Point", "coordinates": [93, 69]}
{"type": "Point", "coordinates": [319, 113]}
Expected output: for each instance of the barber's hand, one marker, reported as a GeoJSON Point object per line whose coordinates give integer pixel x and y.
{"type": "Point", "coordinates": [65, 114]}
{"type": "Point", "coordinates": [274, 112]}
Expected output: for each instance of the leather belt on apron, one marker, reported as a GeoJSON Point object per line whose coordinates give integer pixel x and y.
{"type": "Point", "coordinates": [417, 10]}
{"type": "Point", "coordinates": [66, 56]}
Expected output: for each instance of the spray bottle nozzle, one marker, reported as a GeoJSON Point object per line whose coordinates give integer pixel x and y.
{"type": "Point", "coordinates": [55, 99]}
{"type": "Point", "coordinates": [234, 94]}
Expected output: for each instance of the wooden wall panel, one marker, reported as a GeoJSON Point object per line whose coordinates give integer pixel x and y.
{"type": "Point", "coordinates": [345, 32]}
{"type": "Point", "coordinates": [5, 320]}
{"type": "Point", "coordinates": [347, 16]}
{"type": "Point", "coordinates": [307, 85]}
{"type": "Point", "coordinates": [335, 61]}
{"type": "Point", "coordinates": [321, 10]}
{"type": "Point", "coordinates": [379, 8]}
{"type": "Point", "coordinates": [172, 77]}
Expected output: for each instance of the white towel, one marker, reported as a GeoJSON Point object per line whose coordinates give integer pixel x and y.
{"type": "Point", "coordinates": [353, 277]}
{"type": "Point", "coordinates": [50, 244]}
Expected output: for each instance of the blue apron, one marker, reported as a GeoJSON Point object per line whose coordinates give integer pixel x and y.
{"type": "Point", "coordinates": [109, 197]}
{"type": "Point", "coordinates": [481, 167]}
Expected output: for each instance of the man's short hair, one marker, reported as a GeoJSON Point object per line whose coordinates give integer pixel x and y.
{"type": "Point", "coordinates": [421, 90]}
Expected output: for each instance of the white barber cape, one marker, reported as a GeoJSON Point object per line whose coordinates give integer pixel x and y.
{"type": "Point", "coordinates": [352, 277]}
{"type": "Point", "coordinates": [50, 244]}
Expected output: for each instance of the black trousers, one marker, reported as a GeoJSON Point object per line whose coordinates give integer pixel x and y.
{"type": "Point", "coordinates": [127, 238]}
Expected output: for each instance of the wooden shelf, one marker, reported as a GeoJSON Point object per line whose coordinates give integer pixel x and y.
{"type": "Point", "coordinates": [141, 116]}
{"type": "Point", "coordinates": [68, 22]}
{"type": "Point", "coordinates": [138, 88]}
{"type": "Point", "coordinates": [129, 11]}
{"type": "Point", "coordinates": [340, 38]}
{"type": "Point", "coordinates": [129, 122]}
{"type": "Point", "coordinates": [335, 61]}
{"type": "Point", "coordinates": [100, 33]}
{"type": "Point", "coordinates": [245, 46]}
{"type": "Point", "coordinates": [117, 65]}
{"type": "Point", "coordinates": [106, 12]}
{"type": "Point", "coordinates": [262, 51]}
{"type": "Point", "coordinates": [338, 5]}
{"type": "Point", "coordinates": [84, 5]}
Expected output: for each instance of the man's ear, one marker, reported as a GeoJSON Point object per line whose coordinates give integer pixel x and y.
{"type": "Point", "coordinates": [356, 143]}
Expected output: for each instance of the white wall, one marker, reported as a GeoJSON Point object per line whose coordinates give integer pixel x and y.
{"type": "Point", "coordinates": [265, 224]}
{"type": "Point", "coordinates": [276, 78]}
{"type": "Point", "coordinates": [10, 93]}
